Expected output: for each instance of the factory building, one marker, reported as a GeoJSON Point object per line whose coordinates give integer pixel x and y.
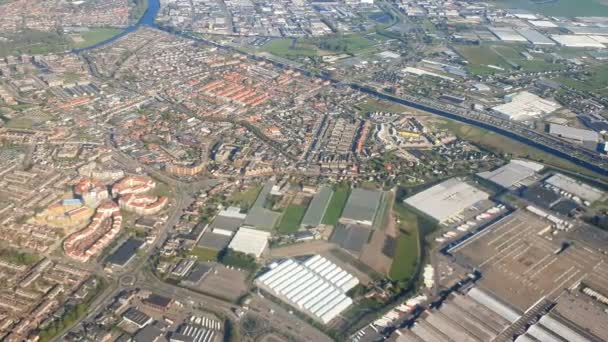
{"type": "Point", "coordinates": [316, 287]}
{"type": "Point", "coordinates": [513, 175]}
{"type": "Point", "coordinates": [446, 200]}
{"type": "Point", "coordinates": [573, 134]}
{"type": "Point", "coordinates": [524, 106]}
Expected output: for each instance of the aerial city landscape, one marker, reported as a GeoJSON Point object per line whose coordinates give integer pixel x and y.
{"type": "Point", "coordinates": [304, 170]}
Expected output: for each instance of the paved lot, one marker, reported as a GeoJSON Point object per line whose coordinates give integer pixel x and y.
{"type": "Point", "coordinates": [225, 283]}
{"type": "Point", "coordinates": [518, 260]}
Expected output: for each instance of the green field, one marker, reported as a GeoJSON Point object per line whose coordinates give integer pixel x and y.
{"type": "Point", "coordinates": [96, 35]}
{"type": "Point", "coordinates": [506, 146]}
{"type": "Point", "coordinates": [481, 56]}
{"type": "Point", "coordinates": [407, 250]}
{"type": "Point", "coordinates": [16, 257]}
{"type": "Point", "coordinates": [565, 8]}
{"type": "Point", "coordinates": [292, 217]}
{"type": "Point", "coordinates": [336, 205]}
{"type": "Point", "coordinates": [286, 47]}
{"type": "Point", "coordinates": [312, 47]}
{"type": "Point", "coordinates": [597, 82]}
{"type": "Point", "coordinates": [33, 42]}
{"type": "Point", "coordinates": [246, 198]}
{"type": "Point", "coordinates": [204, 254]}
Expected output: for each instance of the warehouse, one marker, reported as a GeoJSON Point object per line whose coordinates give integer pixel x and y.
{"type": "Point", "coordinates": [228, 221]}
{"type": "Point", "coordinates": [316, 287]}
{"type": "Point", "coordinates": [250, 241]}
{"type": "Point", "coordinates": [512, 175]}
{"type": "Point", "coordinates": [506, 34]}
{"type": "Point", "coordinates": [524, 106]}
{"type": "Point", "coordinates": [446, 200]}
{"type": "Point", "coordinates": [535, 37]}
{"type": "Point", "coordinates": [574, 187]}
{"type": "Point", "coordinates": [317, 207]}
{"type": "Point", "coordinates": [476, 316]}
{"type": "Point", "coordinates": [361, 207]}
{"type": "Point", "coordinates": [570, 40]}
{"type": "Point", "coordinates": [573, 134]}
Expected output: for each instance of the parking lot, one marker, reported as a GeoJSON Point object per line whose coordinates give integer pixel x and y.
{"type": "Point", "coordinates": [521, 261]}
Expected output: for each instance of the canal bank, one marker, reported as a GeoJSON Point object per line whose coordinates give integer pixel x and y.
{"type": "Point", "coordinates": [148, 19]}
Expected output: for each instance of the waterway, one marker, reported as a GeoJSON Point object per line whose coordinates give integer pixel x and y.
{"type": "Point", "coordinates": [148, 19]}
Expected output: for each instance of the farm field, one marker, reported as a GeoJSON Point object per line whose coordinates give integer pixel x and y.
{"type": "Point", "coordinates": [292, 217]}
{"type": "Point", "coordinates": [336, 205]}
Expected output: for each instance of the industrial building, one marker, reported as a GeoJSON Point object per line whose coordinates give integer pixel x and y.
{"type": "Point", "coordinates": [250, 241]}
{"type": "Point", "coordinates": [317, 207]}
{"type": "Point", "coordinates": [576, 41]}
{"type": "Point", "coordinates": [575, 188]}
{"type": "Point", "coordinates": [228, 221]}
{"type": "Point", "coordinates": [535, 37]}
{"type": "Point", "coordinates": [523, 106]}
{"type": "Point", "coordinates": [259, 216]}
{"type": "Point", "coordinates": [550, 329]}
{"type": "Point", "coordinates": [316, 287]}
{"type": "Point", "coordinates": [447, 200]}
{"type": "Point", "coordinates": [474, 316]}
{"type": "Point", "coordinates": [512, 175]}
{"type": "Point", "coordinates": [573, 134]}
{"type": "Point", "coordinates": [506, 34]}
{"type": "Point", "coordinates": [361, 207]}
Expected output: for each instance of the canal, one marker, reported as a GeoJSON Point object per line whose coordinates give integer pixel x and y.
{"type": "Point", "coordinates": [147, 19]}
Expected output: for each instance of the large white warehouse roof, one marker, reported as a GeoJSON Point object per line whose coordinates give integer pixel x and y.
{"type": "Point", "coordinates": [446, 200]}
{"type": "Point", "coordinates": [250, 241]}
{"type": "Point", "coordinates": [316, 287]}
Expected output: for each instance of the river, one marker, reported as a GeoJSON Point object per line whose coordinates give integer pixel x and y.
{"type": "Point", "coordinates": [148, 19]}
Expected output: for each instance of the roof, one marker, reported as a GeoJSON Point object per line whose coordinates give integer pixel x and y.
{"type": "Point", "coordinates": [351, 237]}
{"type": "Point", "coordinates": [198, 273]}
{"type": "Point", "coordinates": [214, 241]}
{"type": "Point", "coordinates": [227, 223]}
{"type": "Point", "coordinates": [136, 316]}
{"type": "Point", "coordinates": [316, 287]}
{"type": "Point", "coordinates": [512, 173]}
{"type": "Point", "coordinates": [524, 104]}
{"type": "Point", "coordinates": [362, 205]}
{"type": "Point", "coordinates": [506, 34]}
{"type": "Point", "coordinates": [158, 300]}
{"type": "Point", "coordinates": [317, 207]}
{"type": "Point", "coordinates": [148, 334]}
{"type": "Point", "coordinates": [582, 190]}
{"type": "Point", "coordinates": [573, 133]}
{"type": "Point", "coordinates": [535, 37]}
{"type": "Point", "coordinates": [541, 196]}
{"type": "Point", "coordinates": [447, 199]}
{"type": "Point", "coordinates": [125, 252]}
{"type": "Point", "coordinates": [250, 241]}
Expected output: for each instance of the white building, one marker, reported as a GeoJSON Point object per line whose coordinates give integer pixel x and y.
{"type": "Point", "coordinates": [447, 200]}
{"type": "Point", "coordinates": [316, 287]}
{"type": "Point", "coordinates": [524, 106]}
{"type": "Point", "coordinates": [250, 241]}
